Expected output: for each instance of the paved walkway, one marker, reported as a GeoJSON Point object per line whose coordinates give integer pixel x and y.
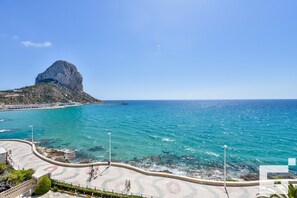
{"type": "Point", "coordinates": [113, 178]}
{"type": "Point", "coordinates": [52, 194]}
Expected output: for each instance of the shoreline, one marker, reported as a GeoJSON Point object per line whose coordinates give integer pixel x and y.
{"type": "Point", "coordinates": [33, 107]}
{"type": "Point", "coordinates": [27, 107]}
{"type": "Point", "coordinates": [67, 155]}
{"type": "Point", "coordinates": [229, 183]}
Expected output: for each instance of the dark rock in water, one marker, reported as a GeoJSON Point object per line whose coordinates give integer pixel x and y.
{"type": "Point", "coordinates": [47, 142]}
{"type": "Point", "coordinates": [96, 148]}
{"type": "Point", "coordinates": [166, 152]}
{"type": "Point", "coordinates": [289, 175]}
{"type": "Point", "coordinates": [250, 177]}
{"type": "Point", "coordinates": [63, 73]}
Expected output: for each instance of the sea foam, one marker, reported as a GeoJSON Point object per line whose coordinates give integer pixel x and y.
{"type": "Point", "coordinates": [4, 130]}
{"type": "Point", "coordinates": [212, 154]}
{"type": "Point", "coordinates": [167, 140]}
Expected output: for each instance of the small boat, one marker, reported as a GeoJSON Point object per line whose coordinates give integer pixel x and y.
{"type": "Point", "coordinates": [124, 103]}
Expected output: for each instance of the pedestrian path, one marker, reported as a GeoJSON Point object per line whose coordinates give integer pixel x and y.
{"type": "Point", "coordinates": [114, 178]}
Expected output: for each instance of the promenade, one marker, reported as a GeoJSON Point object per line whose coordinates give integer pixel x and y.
{"type": "Point", "coordinates": [113, 178]}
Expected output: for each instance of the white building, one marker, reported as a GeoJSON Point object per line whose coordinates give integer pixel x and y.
{"type": "Point", "coordinates": [3, 155]}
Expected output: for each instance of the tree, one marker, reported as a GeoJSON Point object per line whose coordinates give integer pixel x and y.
{"type": "Point", "coordinates": [43, 186]}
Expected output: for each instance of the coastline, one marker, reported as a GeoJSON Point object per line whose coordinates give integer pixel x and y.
{"type": "Point", "coordinates": [111, 178]}
{"type": "Point", "coordinates": [229, 183]}
{"type": "Point", "coordinates": [68, 156]}
{"type": "Point", "coordinates": [43, 107]}
{"type": "Point", "coordinates": [172, 155]}
{"type": "Point", "coordinates": [4, 108]}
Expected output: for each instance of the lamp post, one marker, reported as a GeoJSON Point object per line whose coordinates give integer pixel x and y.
{"type": "Point", "coordinates": [225, 147]}
{"type": "Point", "coordinates": [32, 130]}
{"type": "Point", "coordinates": [109, 134]}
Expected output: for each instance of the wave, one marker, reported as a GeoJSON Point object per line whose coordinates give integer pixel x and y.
{"type": "Point", "coordinates": [190, 149]}
{"type": "Point", "coordinates": [212, 154]}
{"type": "Point", "coordinates": [167, 140]}
{"type": "Point", "coordinates": [1, 120]}
{"type": "Point", "coordinates": [162, 139]}
{"type": "Point", "coordinates": [4, 130]}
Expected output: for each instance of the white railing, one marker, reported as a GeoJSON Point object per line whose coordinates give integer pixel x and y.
{"type": "Point", "coordinates": [19, 189]}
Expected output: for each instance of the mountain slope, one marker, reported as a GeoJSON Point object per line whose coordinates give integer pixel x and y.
{"type": "Point", "coordinates": [44, 93]}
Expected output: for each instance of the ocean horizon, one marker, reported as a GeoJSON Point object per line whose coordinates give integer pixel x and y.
{"type": "Point", "coordinates": [185, 137]}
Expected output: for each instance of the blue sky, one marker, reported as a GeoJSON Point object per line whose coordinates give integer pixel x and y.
{"type": "Point", "coordinates": [155, 49]}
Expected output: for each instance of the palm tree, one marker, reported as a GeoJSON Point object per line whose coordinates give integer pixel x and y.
{"type": "Point", "coordinates": [292, 193]}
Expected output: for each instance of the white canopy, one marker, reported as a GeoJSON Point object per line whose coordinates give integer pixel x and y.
{"type": "Point", "coordinates": [3, 150]}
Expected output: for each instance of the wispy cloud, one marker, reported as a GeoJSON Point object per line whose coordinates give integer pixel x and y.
{"type": "Point", "coordinates": [37, 45]}
{"type": "Point", "coordinates": [15, 37]}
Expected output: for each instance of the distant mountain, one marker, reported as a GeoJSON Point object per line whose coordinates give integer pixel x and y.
{"type": "Point", "coordinates": [61, 82]}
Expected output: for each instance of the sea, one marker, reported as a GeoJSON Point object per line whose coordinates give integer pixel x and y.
{"type": "Point", "coordinates": [184, 137]}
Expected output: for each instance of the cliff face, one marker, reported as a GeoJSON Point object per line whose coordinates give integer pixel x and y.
{"type": "Point", "coordinates": [61, 82]}
{"type": "Point", "coordinates": [63, 73]}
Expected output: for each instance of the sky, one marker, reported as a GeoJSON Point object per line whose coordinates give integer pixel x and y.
{"type": "Point", "coordinates": [155, 49]}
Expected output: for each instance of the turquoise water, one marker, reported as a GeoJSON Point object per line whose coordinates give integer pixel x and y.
{"type": "Point", "coordinates": [184, 137]}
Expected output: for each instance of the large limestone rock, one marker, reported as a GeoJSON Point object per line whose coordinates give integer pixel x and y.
{"type": "Point", "coordinates": [63, 73]}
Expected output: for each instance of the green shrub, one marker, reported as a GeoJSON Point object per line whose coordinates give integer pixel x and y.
{"type": "Point", "coordinates": [43, 186]}
{"type": "Point", "coordinates": [3, 167]}
{"type": "Point", "coordinates": [18, 176]}
{"type": "Point", "coordinates": [55, 189]}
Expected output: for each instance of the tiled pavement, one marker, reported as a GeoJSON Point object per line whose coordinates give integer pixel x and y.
{"type": "Point", "coordinates": [113, 178]}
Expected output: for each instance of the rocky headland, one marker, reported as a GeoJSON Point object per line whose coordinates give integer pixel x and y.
{"type": "Point", "coordinates": [60, 83]}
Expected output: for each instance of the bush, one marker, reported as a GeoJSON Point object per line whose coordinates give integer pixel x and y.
{"type": "Point", "coordinates": [3, 167]}
{"type": "Point", "coordinates": [18, 176]}
{"type": "Point", "coordinates": [55, 189]}
{"type": "Point", "coordinates": [43, 186]}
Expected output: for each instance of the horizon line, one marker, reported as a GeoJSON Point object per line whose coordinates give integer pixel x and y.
{"type": "Point", "coordinates": [198, 99]}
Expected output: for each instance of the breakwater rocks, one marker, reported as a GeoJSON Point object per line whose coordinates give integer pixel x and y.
{"type": "Point", "coordinates": [60, 155]}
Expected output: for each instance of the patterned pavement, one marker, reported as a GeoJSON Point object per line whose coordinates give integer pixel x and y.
{"type": "Point", "coordinates": [113, 178]}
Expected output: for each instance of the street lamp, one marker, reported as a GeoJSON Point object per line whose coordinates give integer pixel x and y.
{"type": "Point", "coordinates": [225, 147]}
{"type": "Point", "coordinates": [32, 130]}
{"type": "Point", "coordinates": [109, 134]}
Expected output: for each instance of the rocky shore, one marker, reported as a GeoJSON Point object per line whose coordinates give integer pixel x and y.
{"type": "Point", "coordinates": [166, 164]}
{"type": "Point", "coordinates": [60, 155]}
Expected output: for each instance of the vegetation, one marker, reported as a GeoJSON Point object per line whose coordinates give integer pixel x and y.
{"type": "Point", "coordinates": [292, 193]}
{"type": "Point", "coordinates": [3, 167]}
{"type": "Point", "coordinates": [64, 187]}
{"type": "Point", "coordinates": [43, 186]}
{"type": "Point", "coordinates": [18, 176]}
{"type": "Point", "coordinates": [231, 180]}
{"type": "Point", "coordinates": [55, 189]}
